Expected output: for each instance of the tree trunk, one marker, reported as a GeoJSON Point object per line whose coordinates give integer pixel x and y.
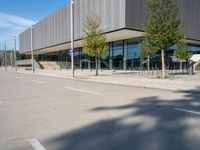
{"type": "Point", "coordinates": [97, 65]}
{"type": "Point", "coordinates": [148, 64]}
{"type": "Point", "coordinates": [163, 63]}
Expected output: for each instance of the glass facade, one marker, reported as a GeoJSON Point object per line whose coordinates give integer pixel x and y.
{"type": "Point", "coordinates": [195, 49]}
{"type": "Point", "coordinates": [121, 55]}
{"type": "Point", "coordinates": [106, 58]}
{"type": "Point", "coordinates": [133, 55]}
{"type": "Point", "coordinates": [117, 55]}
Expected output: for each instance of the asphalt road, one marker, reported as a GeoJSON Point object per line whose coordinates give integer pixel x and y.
{"type": "Point", "coordinates": [43, 113]}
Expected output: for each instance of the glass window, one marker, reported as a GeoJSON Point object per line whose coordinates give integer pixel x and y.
{"type": "Point", "coordinates": [105, 59]}
{"type": "Point", "coordinates": [85, 60]}
{"type": "Point", "coordinates": [133, 50]}
{"type": "Point", "coordinates": [133, 55]}
{"type": "Point", "coordinates": [118, 55]}
{"type": "Point", "coordinates": [77, 58]}
{"type": "Point", "coordinates": [195, 49]}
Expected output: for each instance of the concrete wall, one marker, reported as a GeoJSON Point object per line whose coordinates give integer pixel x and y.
{"type": "Point", "coordinates": [27, 63]}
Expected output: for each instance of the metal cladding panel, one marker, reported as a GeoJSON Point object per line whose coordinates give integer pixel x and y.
{"type": "Point", "coordinates": [36, 36]}
{"type": "Point", "coordinates": [135, 14]}
{"type": "Point", "coordinates": [48, 28]}
{"type": "Point", "coordinates": [55, 28]}
{"type": "Point", "coordinates": [188, 11]}
{"type": "Point", "coordinates": [111, 12]}
{"type": "Point", "coordinates": [67, 26]}
{"type": "Point", "coordinates": [25, 41]}
{"type": "Point", "coordinates": [191, 15]}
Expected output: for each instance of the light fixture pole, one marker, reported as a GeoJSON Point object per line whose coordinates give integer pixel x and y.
{"type": "Point", "coordinates": [5, 59]}
{"type": "Point", "coordinates": [15, 57]}
{"type": "Point", "coordinates": [72, 38]}
{"type": "Point", "coordinates": [32, 55]}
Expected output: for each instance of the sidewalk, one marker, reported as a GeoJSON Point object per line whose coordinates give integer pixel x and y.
{"type": "Point", "coordinates": [174, 83]}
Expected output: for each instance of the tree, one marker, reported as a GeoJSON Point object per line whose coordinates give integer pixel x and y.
{"type": "Point", "coordinates": [162, 26]}
{"type": "Point", "coordinates": [182, 52]}
{"type": "Point", "coordinates": [147, 50]}
{"type": "Point", "coordinates": [94, 41]}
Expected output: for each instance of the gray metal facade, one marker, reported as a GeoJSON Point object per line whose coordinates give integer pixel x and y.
{"type": "Point", "coordinates": [189, 12]}
{"type": "Point", "coordinates": [115, 14]}
{"type": "Point", "coordinates": [55, 29]}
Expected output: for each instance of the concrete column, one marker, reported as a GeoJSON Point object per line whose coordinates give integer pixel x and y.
{"type": "Point", "coordinates": [99, 64]}
{"type": "Point", "coordinates": [110, 64]}
{"type": "Point", "coordinates": [80, 64]}
{"type": "Point", "coordinates": [89, 65]}
{"type": "Point", "coordinates": [125, 48]}
{"type": "Point", "coordinates": [124, 63]}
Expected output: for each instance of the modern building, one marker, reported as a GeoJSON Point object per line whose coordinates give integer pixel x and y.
{"type": "Point", "coordinates": [122, 21]}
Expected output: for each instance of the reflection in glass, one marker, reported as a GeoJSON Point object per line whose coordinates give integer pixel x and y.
{"type": "Point", "coordinates": [118, 55]}
{"type": "Point", "coordinates": [133, 55]}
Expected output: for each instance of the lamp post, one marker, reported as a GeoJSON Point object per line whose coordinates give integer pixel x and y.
{"type": "Point", "coordinates": [15, 57]}
{"type": "Point", "coordinates": [5, 61]}
{"type": "Point", "coordinates": [32, 57]}
{"type": "Point", "coordinates": [72, 38]}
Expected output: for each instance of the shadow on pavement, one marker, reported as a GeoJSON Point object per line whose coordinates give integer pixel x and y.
{"type": "Point", "coordinates": [153, 124]}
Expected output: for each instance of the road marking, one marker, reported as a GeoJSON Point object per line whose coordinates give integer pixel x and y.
{"type": "Point", "coordinates": [36, 81]}
{"type": "Point", "coordinates": [19, 77]}
{"type": "Point", "coordinates": [80, 90]}
{"type": "Point", "coordinates": [36, 144]}
{"type": "Point", "coordinates": [188, 111]}
{"type": "Point", "coordinates": [1, 102]}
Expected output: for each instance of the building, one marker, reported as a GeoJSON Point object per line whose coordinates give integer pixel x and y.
{"type": "Point", "coordinates": [7, 58]}
{"type": "Point", "coordinates": [122, 21]}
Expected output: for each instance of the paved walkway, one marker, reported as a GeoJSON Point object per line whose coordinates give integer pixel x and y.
{"type": "Point", "coordinates": [174, 83]}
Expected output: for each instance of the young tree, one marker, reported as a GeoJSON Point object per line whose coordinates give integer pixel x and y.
{"type": "Point", "coordinates": [182, 51]}
{"type": "Point", "coordinates": [147, 50]}
{"type": "Point", "coordinates": [162, 26]}
{"type": "Point", "coordinates": [94, 41]}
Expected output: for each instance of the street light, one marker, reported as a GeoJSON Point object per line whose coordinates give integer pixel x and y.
{"type": "Point", "coordinates": [15, 57]}
{"type": "Point", "coordinates": [72, 38]}
{"type": "Point", "coordinates": [33, 69]}
{"type": "Point", "coordinates": [5, 61]}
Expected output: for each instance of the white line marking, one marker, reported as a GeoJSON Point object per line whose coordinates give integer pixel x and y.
{"type": "Point", "coordinates": [189, 111]}
{"type": "Point", "coordinates": [36, 81]}
{"type": "Point", "coordinates": [36, 144]}
{"type": "Point", "coordinates": [75, 89]}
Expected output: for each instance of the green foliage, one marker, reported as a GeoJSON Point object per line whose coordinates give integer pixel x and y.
{"type": "Point", "coordinates": [23, 56]}
{"type": "Point", "coordinates": [147, 50]}
{"type": "Point", "coordinates": [182, 51]}
{"type": "Point", "coordinates": [94, 42]}
{"type": "Point", "coordinates": [162, 26]}
{"type": "Point", "coordinates": [197, 67]}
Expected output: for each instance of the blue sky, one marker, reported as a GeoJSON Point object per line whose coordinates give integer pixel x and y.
{"type": "Point", "coordinates": [18, 15]}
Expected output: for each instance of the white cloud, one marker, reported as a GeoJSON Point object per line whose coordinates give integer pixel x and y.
{"type": "Point", "coordinates": [10, 26]}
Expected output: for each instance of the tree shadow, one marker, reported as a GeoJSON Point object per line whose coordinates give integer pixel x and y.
{"type": "Point", "coordinates": [152, 124]}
